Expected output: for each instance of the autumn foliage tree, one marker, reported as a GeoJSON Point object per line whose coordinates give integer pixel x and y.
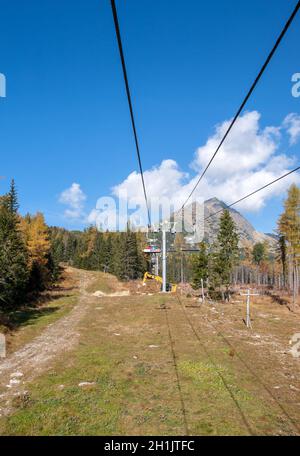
{"type": "Point", "coordinates": [27, 265]}
{"type": "Point", "coordinates": [289, 230]}
{"type": "Point", "coordinates": [36, 236]}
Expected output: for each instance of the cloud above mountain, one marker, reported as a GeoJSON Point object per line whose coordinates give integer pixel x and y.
{"type": "Point", "coordinates": [249, 158]}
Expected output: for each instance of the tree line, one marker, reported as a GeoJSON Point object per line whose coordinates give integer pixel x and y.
{"type": "Point", "coordinates": [26, 264]}
{"type": "Point", "coordinates": [225, 263]}
{"type": "Point", "coordinates": [31, 254]}
{"type": "Point", "coordinates": [120, 254]}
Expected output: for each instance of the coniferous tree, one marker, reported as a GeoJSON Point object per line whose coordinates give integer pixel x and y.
{"type": "Point", "coordinates": [107, 262]}
{"type": "Point", "coordinates": [282, 256]}
{"type": "Point", "coordinates": [117, 255]}
{"type": "Point", "coordinates": [70, 248]}
{"type": "Point", "coordinates": [226, 255]}
{"type": "Point", "coordinates": [258, 253]}
{"type": "Point", "coordinates": [200, 267]}
{"type": "Point", "coordinates": [120, 254]}
{"type": "Point", "coordinates": [98, 254]}
{"type": "Point", "coordinates": [141, 258]}
{"type": "Point", "coordinates": [131, 256]}
{"type": "Point", "coordinates": [13, 255]}
{"type": "Point", "coordinates": [258, 256]}
{"type": "Point", "coordinates": [13, 198]}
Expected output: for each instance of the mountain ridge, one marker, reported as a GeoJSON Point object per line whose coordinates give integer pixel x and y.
{"type": "Point", "coordinates": [211, 212]}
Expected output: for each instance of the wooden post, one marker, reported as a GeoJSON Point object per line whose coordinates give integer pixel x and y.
{"type": "Point", "coordinates": [202, 289]}
{"type": "Point", "coordinates": [248, 318]}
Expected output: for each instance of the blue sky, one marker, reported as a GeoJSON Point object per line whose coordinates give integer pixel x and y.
{"type": "Point", "coordinates": [65, 119]}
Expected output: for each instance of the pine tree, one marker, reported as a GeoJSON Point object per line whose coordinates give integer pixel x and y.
{"type": "Point", "coordinates": [282, 256]}
{"type": "Point", "coordinates": [131, 256]}
{"type": "Point", "coordinates": [226, 255]}
{"type": "Point", "coordinates": [70, 248]}
{"type": "Point", "coordinates": [142, 260]}
{"type": "Point", "coordinates": [99, 251]}
{"type": "Point", "coordinates": [258, 253]}
{"type": "Point", "coordinates": [107, 265]}
{"type": "Point", "coordinates": [200, 267]}
{"type": "Point", "coordinates": [57, 251]}
{"type": "Point", "coordinates": [13, 255]}
{"type": "Point", "coordinates": [258, 256]}
{"type": "Point", "coordinates": [117, 255]}
{"type": "Point", "coordinates": [13, 198]}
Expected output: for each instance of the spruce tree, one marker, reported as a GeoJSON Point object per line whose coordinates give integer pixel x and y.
{"type": "Point", "coordinates": [117, 255]}
{"type": "Point", "coordinates": [14, 272]}
{"type": "Point", "coordinates": [282, 256]}
{"type": "Point", "coordinates": [13, 198]}
{"type": "Point", "coordinates": [142, 260]}
{"type": "Point", "coordinates": [108, 258]}
{"type": "Point", "coordinates": [70, 248]}
{"type": "Point", "coordinates": [226, 255]}
{"type": "Point", "coordinates": [258, 253]}
{"type": "Point", "coordinates": [131, 256]}
{"type": "Point", "coordinates": [99, 251]}
{"type": "Point", "coordinates": [200, 266]}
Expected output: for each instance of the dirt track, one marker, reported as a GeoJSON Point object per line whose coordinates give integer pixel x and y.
{"type": "Point", "coordinates": [35, 357]}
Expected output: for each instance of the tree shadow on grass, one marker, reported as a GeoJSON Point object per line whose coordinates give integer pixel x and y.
{"type": "Point", "coordinates": [281, 300]}
{"type": "Point", "coordinates": [45, 298]}
{"type": "Point", "coordinates": [27, 316]}
{"type": "Point", "coordinates": [63, 288]}
{"type": "Point", "coordinates": [13, 319]}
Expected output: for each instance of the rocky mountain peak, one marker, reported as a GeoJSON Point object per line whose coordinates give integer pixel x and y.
{"type": "Point", "coordinates": [245, 229]}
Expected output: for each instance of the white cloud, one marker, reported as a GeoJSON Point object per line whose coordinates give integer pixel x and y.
{"type": "Point", "coordinates": [73, 197]}
{"type": "Point", "coordinates": [165, 180]}
{"type": "Point", "coordinates": [245, 148]}
{"type": "Point", "coordinates": [249, 159]}
{"type": "Point", "coordinates": [163, 183]}
{"type": "Point", "coordinates": [292, 125]}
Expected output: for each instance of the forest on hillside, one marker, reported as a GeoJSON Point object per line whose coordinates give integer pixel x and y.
{"type": "Point", "coordinates": [31, 254]}
{"type": "Point", "coordinates": [120, 254]}
{"type": "Point", "coordinates": [219, 265]}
